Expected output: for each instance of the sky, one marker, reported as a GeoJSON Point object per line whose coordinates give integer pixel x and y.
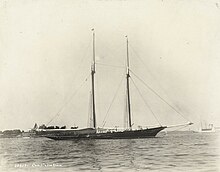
{"type": "Point", "coordinates": [46, 52]}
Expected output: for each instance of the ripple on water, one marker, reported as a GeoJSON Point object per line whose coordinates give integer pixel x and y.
{"type": "Point", "coordinates": [190, 152]}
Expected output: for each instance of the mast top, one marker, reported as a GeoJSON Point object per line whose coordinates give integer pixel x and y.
{"type": "Point", "coordinates": [93, 59]}
{"type": "Point", "coordinates": [127, 60]}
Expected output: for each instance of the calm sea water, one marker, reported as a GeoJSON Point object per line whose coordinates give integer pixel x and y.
{"type": "Point", "coordinates": [173, 152]}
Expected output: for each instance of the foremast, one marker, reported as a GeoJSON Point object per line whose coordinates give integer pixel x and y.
{"type": "Point", "coordinates": [93, 81]}
{"type": "Point", "coordinates": [128, 86]}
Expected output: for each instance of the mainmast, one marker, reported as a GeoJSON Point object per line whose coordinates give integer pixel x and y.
{"type": "Point", "coordinates": [128, 88]}
{"type": "Point", "coordinates": [93, 81]}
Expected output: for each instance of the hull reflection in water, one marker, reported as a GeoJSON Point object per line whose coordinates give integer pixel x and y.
{"type": "Point", "coordinates": [177, 151]}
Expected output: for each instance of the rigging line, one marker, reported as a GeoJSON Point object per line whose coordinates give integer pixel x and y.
{"type": "Point", "coordinates": [104, 121]}
{"type": "Point", "coordinates": [139, 57]}
{"type": "Point", "coordinates": [159, 95]}
{"type": "Point", "coordinates": [75, 76]}
{"type": "Point", "coordinates": [58, 113]}
{"type": "Point", "coordinates": [178, 125]}
{"type": "Point", "coordinates": [81, 61]}
{"type": "Point", "coordinates": [110, 65]}
{"type": "Point", "coordinates": [180, 128]}
{"type": "Point", "coordinates": [111, 53]}
{"type": "Point", "coordinates": [145, 102]}
{"type": "Point", "coordinates": [148, 70]}
{"type": "Point", "coordinates": [151, 73]}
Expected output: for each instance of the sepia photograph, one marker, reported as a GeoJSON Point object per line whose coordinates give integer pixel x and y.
{"type": "Point", "coordinates": [110, 85]}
